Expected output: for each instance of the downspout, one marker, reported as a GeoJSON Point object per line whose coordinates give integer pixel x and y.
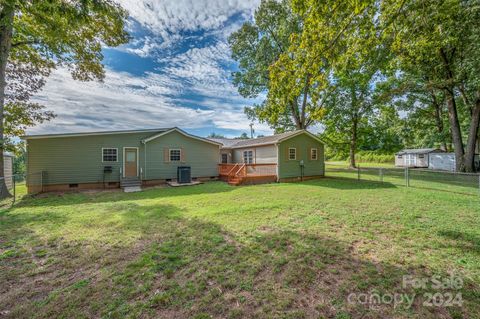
{"type": "Point", "coordinates": [277, 169]}
{"type": "Point", "coordinates": [145, 160]}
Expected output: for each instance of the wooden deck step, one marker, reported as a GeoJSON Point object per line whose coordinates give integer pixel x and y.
{"type": "Point", "coordinates": [235, 181]}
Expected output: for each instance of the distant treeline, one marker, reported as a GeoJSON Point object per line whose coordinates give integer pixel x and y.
{"type": "Point", "coordinates": [364, 157]}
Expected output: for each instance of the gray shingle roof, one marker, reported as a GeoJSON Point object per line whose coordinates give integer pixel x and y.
{"type": "Point", "coordinates": [419, 151]}
{"type": "Point", "coordinates": [266, 140]}
{"type": "Point", "coordinates": [155, 130]}
{"type": "Point", "coordinates": [227, 142]}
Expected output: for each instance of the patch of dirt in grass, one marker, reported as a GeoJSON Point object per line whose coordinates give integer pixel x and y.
{"type": "Point", "coordinates": [191, 268]}
{"type": "Point", "coordinates": [43, 279]}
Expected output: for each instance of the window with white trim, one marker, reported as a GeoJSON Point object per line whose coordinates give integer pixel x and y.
{"type": "Point", "coordinates": [248, 157]}
{"type": "Point", "coordinates": [109, 154]}
{"type": "Point", "coordinates": [292, 153]}
{"type": "Point", "coordinates": [175, 155]}
{"type": "Point", "coordinates": [224, 158]}
{"type": "Point", "coordinates": [314, 154]}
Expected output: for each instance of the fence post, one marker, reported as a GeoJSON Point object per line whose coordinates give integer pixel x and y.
{"type": "Point", "coordinates": [14, 188]}
{"type": "Point", "coordinates": [407, 182]}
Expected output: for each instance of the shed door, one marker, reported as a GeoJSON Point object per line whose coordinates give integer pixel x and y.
{"type": "Point", "coordinates": [411, 160]}
{"type": "Point", "coordinates": [131, 162]}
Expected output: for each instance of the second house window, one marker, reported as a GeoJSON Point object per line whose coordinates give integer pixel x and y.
{"type": "Point", "coordinates": [175, 155]}
{"type": "Point", "coordinates": [248, 157]}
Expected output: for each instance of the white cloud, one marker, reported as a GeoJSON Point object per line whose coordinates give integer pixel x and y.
{"type": "Point", "coordinates": [191, 90]}
{"type": "Point", "coordinates": [172, 16]}
{"type": "Point", "coordinates": [201, 66]}
{"type": "Point", "coordinates": [124, 101]}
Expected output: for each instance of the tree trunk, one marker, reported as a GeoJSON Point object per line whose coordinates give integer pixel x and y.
{"type": "Point", "coordinates": [304, 102]}
{"type": "Point", "coordinates": [455, 131]}
{"type": "Point", "coordinates": [472, 138]}
{"type": "Point", "coordinates": [439, 120]}
{"type": "Point", "coordinates": [296, 118]}
{"type": "Point", "coordinates": [353, 143]}
{"type": "Point", "coordinates": [6, 28]}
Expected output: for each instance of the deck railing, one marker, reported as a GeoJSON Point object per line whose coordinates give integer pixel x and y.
{"type": "Point", "coordinates": [269, 169]}
{"type": "Point", "coordinates": [226, 169]}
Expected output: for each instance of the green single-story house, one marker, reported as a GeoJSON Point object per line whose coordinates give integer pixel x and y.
{"type": "Point", "coordinates": [289, 156]}
{"type": "Point", "coordinates": [59, 162]}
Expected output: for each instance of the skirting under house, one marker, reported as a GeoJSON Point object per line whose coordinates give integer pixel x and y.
{"type": "Point", "coordinates": [104, 160]}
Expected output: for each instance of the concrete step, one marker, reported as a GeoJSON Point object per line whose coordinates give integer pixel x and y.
{"type": "Point", "coordinates": [132, 189]}
{"type": "Point", "coordinates": [130, 182]}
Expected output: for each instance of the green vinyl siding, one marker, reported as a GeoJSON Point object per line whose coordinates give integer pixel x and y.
{"type": "Point", "coordinates": [303, 143]}
{"type": "Point", "coordinates": [75, 160]}
{"type": "Point", "coordinates": [202, 157]}
{"type": "Point", "coordinates": [68, 160]}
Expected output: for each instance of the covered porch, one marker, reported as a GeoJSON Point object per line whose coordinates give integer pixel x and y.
{"type": "Point", "coordinates": [242, 173]}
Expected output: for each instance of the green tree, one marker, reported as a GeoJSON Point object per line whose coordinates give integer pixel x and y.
{"type": "Point", "coordinates": [19, 163]}
{"type": "Point", "coordinates": [322, 49]}
{"type": "Point", "coordinates": [386, 133]}
{"type": "Point", "coordinates": [349, 109]}
{"type": "Point", "coordinates": [424, 108]}
{"type": "Point", "coordinates": [336, 55]}
{"type": "Point", "coordinates": [256, 46]}
{"type": "Point", "coordinates": [36, 37]}
{"type": "Point", "coordinates": [243, 136]}
{"type": "Point", "coordinates": [439, 41]}
{"type": "Point", "coordinates": [215, 135]}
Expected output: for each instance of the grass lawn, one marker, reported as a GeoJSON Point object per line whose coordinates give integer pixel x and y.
{"type": "Point", "coordinates": [216, 251]}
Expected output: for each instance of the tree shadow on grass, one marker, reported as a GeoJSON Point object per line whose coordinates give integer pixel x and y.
{"type": "Point", "coordinates": [188, 268]}
{"type": "Point", "coordinates": [201, 268]}
{"type": "Point", "coordinates": [153, 262]}
{"type": "Point", "coordinates": [72, 198]}
{"type": "Point", "coordinates": [40, 265]}
{"type": "Point", "coordinates": [464, 241]}
{"type": "Point", "coordinates": [347, 183]}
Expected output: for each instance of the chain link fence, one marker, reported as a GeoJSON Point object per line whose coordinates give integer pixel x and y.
{"type": "Point", "coordinates": [13, 188]}
{"type": "Point", "coordinates": [464, 183]}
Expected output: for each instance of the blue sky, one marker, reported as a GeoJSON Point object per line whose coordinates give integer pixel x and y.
{"type": "Point", "coordinates": [176, 71]}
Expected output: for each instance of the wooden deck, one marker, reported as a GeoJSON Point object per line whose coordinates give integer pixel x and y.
{"type": "Point", "coordinates": [239, 173]}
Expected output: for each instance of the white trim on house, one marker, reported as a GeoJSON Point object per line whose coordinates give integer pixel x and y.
{"type": "Point", "coordinates": [301, 132]}
{"type": "Point", "coordinates": [32, 137]}
{"type": "Point", "coordinates": [276, 141]}
{"type": "Point", "coordinates": [316, 154]}
{"type": "Point", "coordinates": [221, 157]}
{"type": "Point", "coordinates": [170, 154]}
{"type": "Point", "coordinates": [277, 167]}
{"type": "Point", "coordinates": [176, 129]}
{"type": "Point", "coordinates": [110, 148]}
{"type": "Point", "coordinates": [145, 160]}
{"type": "Point", "coordinates": [295, 158]}
{"type": "Point", "coordinates": [123, 160]}
{"type": "Point", "coordinates": [253, 157]}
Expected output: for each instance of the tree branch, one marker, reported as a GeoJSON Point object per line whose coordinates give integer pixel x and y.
{"type": "Point", "coordinates": [30, 42]}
